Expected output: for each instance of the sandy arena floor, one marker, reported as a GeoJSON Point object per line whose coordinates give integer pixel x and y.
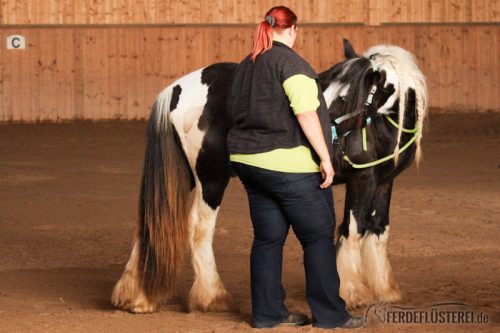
{"type": "Point", "coordinates": [68, 198]}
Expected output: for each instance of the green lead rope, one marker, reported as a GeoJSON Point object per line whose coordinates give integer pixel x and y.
{"type": "Point", "coordinates": [395, 124]}
{"type": "Point", "coordinates": [365, 144]}
{"type": "Point", "coordinates": [387, 158]}
{"type": "Point", "coordinates": [382, 160]}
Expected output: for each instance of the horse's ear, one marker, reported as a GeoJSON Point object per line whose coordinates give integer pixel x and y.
{"type": "Point", "coordinates": [349, 50]}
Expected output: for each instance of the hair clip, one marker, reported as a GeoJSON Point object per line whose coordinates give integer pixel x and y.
{"type": "Point", "coordinates": [271, 20]}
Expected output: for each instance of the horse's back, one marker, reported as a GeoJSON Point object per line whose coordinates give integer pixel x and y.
{"type": "Point", "coordinates": [193, 87]}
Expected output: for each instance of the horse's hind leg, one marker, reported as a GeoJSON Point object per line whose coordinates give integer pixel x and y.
{"type": "Point", "coordinates": [128, 293]}
{"type": "Point", "coordinates": [208, 292]}
{"type": "Point", "coordinates": [353, 285]}
{"type": "Point", "coordinates": [377, 268]}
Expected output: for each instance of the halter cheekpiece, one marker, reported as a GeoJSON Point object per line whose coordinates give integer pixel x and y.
{"type": "Point", "coordinates": [271, 20]}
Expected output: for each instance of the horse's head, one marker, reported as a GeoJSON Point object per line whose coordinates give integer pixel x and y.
{"type": "Point", "coordinates": [347, 85]}
{"type": "Point", "coordinates": [376, 83]}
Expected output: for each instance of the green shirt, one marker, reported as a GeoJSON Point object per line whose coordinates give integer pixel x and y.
{"type": "Point", "coordinates": [302, 92]}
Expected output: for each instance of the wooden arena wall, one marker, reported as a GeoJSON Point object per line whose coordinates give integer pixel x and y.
{"type": "Point", "coordinates": [109, 59]}
{"type": "Point", "coordinates": [244, 11]}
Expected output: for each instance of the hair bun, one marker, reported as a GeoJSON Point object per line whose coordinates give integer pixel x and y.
{"type": "Point", "coordinates": [271, 20]}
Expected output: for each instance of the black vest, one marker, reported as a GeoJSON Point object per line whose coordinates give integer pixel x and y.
{"type": "Point", "coordinates": [260, 110]}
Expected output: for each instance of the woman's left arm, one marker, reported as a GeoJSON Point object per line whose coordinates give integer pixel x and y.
{"type": "Point", "coordinates": [309, 122]}
{"type": "Point", "coordinates": [302, 91]}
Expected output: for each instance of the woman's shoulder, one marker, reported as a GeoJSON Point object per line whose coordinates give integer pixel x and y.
{"type": "Point", "coordinates": [290, 63]}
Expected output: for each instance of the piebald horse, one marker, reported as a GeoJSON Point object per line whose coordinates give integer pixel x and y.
{"type": "Point", "coordinates": [377, 106]}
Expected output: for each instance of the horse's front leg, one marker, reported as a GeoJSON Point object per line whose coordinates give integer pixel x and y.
{"type": "Point", "coordinates": [354, 289]}
{"type": "Point", "coordinates": [376, 264]}
{"type": "Point", "coordinates": [208, 292]}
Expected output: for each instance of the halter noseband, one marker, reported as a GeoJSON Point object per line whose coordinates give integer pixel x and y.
{"type": "Point", "coordinates": [337, 121]}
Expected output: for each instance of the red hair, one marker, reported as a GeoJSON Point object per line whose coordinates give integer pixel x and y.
{"type": "Point", "coordinates": [279, 17]}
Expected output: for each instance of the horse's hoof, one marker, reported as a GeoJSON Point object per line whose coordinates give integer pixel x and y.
{"type": "Point", "coordinates": [389, 296]}
{"type": "Point", "coordinates": [140, 306]}
{"type": "Point", "coordinates": [221, 303]}
{"type": "Point", "coordinates": [356, 296]}
{"type": "Point", "coordinates": [128, 298]}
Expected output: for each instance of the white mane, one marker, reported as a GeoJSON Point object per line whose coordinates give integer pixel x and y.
{"type": "Point", "coordinates": [403, 73]}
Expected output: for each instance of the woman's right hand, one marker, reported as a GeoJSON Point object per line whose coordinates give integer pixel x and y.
{"type": "Point", "coordinates": [327, 172]}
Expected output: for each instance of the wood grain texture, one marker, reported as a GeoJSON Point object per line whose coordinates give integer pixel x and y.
{"type": "Point", "coordinates": [244, 11]}
{"type": "Point", "coordinates": [116, 72]}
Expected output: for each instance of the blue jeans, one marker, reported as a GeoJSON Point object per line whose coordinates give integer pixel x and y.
{"type": "Point", "coordinates": [277, 201]}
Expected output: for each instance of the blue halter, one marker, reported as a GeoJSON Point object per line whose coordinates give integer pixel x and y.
{"type": "Point", "coordinates": [339, 120]}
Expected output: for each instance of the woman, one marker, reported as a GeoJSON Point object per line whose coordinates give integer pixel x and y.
{"type": "Point", "coordinates": [278, 148]}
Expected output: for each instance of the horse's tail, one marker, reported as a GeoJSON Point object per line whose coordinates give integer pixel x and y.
{"type": "Point", "coordinates": [163, 203]}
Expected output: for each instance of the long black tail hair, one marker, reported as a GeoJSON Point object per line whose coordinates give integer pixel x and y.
{"type": "Point", "coordinates": [163, 203]}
